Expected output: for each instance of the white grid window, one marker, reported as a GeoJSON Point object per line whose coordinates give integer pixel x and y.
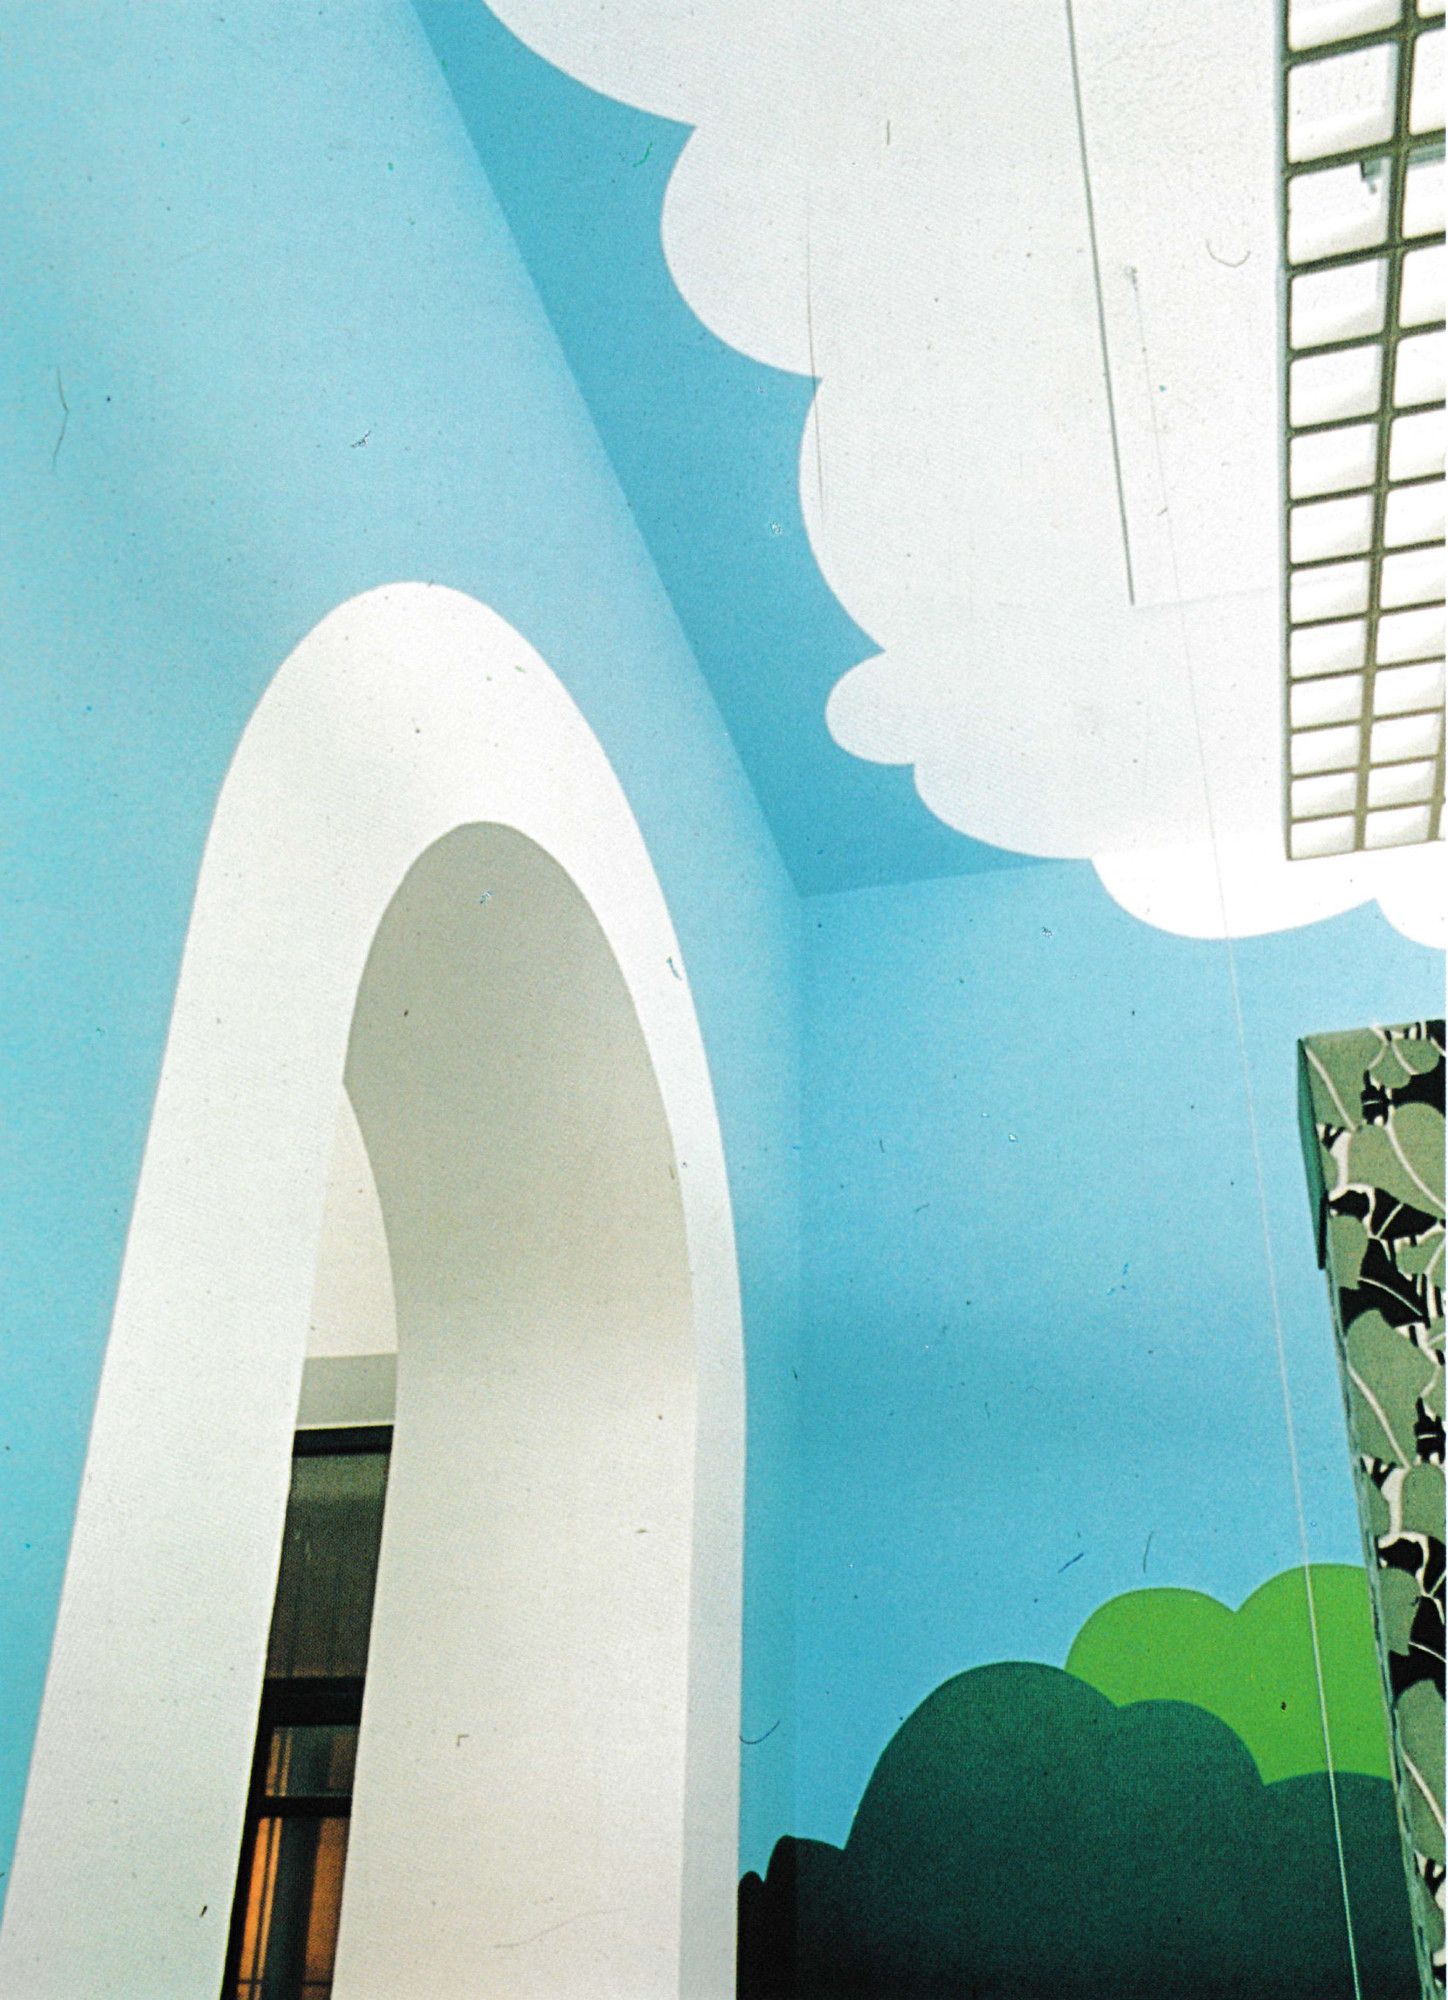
{"type": "Point", "coordinates": [1363, 330]}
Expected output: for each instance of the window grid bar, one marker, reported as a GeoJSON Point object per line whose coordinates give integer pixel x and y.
{"type": "Point", "coordinates": [1351, 156]}
{"type": "Point", "coordinates": [1356, 555]}
{"type": "Point", "coordinates": [1364, 715]}
{"type": "Point", "coordinates": [305, 1805]}
{"type": "Point", "coordinates": [1342, 673]}
{"type": "Point", "coordinates": [1349, 45]}
{"type": "Point", "coordinates": [1346, 618]}
{"type": "Point", "coordinates": [1366, 416]}
{"type": "Point", "coordinates": [1379, 487]}
{"type": "Point", "coordinates": [1399, 805]}
{"type": "Point", "coordinates": [1346, 770]}
{"type": "Point", "coordinates": [1339, 260]}
{"type": "Point", "coordinates": [1368, 339]}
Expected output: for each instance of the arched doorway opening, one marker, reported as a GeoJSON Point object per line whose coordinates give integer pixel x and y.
{"type": "Point", "coordinates": [519, 1804]}
{"type": "Point", "coordinates": [422, 873]}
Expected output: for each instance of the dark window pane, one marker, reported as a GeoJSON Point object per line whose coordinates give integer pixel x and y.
{"type": "Point", "coordinates": [329, 1565]}
{"type": "Point", "coordinates": [293, 1901]}
{"type": "Point", "coordinates": [311, 1760]}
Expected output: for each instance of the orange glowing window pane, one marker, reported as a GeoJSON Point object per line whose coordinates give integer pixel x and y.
{"type": "Point", "coordinates": [293, 1906]}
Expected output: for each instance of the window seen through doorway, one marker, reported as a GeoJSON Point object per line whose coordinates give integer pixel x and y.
{"type": "Point", "coordinates": [294, 1848]}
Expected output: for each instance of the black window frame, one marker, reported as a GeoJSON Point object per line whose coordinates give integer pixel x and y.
{"type": "Point", "coordinates": [296, 1700]}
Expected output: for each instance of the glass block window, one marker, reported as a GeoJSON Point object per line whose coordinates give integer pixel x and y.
{"type": "Point", "coordinates": [1363, 246]}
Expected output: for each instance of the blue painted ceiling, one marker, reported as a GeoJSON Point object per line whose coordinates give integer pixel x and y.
{"type": "Point", "coordinates": [705, 444]}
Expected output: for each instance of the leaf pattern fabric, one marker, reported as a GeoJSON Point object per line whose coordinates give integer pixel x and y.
{"type": "Point", "coordinates": [1373, 1127]}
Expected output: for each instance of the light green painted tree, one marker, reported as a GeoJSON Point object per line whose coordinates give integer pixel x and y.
{"type": "Point", "coordinates": [1254, 1668]}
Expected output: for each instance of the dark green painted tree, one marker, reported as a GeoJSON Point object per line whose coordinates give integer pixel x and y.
{"type": "Point", "coordinates": [1023, 1839]}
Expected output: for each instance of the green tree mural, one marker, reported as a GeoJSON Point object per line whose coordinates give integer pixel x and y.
{"type": "Point", "coordinates": [1255, 1667]}
{"type": "Point", "coordinates": [1022, 1838]}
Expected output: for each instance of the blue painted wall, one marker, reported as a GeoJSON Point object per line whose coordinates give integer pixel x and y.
{"type": "Point", "coordinates": [278, 348]}
{"type": "Point", "coordinates": [705, 444]}
{"type": "Point", "coordinates": [1040, 1363]}
{"type": "Point", "coordinates": [282, 344]}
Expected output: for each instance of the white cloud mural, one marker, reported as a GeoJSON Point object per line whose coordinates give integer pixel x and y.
{"type": "Point", "coordinates": [1074, 590]}
{"type": "Point", "coordinates": [1241, 889]}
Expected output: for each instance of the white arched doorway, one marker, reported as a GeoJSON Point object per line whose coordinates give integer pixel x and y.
{"type": "Point", "coordinates": [419, 819]}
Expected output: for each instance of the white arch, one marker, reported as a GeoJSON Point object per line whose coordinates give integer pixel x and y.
{"type": "Point", "coordinates": [407, 713]}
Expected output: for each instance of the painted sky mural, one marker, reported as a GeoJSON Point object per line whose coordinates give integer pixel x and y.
{"type": "Point", "coordinates": [750, 364]}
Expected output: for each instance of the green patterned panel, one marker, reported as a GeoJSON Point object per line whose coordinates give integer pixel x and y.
{"type": "Point", "coordinates": [1372, 1116]}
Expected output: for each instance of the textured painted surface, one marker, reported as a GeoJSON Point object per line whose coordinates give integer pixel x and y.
{"type": "Point", "coordinates": [971, 1048]}
{"type": "Point", "coordinates": [1372, 1103]}
{"type": "Point", "coordinates": [964, 480]}
{"type": "Point", "coordinates": [275, 352]}
{"type": "Point", "coordinates": [301, 358]}
{"type": "Point", "coordinates": [706, 446]}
